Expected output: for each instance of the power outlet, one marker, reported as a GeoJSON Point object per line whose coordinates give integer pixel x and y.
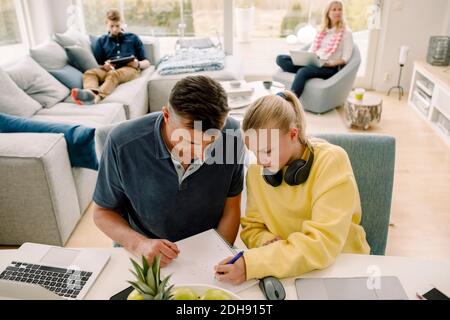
{"type": "Point", "coordinates": [387, 77]}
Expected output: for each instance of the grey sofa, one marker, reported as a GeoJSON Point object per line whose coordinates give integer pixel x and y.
{"type": "Point", "coordinates": [42, 197]}
{"type": "Point", "coordinates": [321, 96]}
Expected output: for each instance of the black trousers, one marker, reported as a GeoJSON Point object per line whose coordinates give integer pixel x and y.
{"type": "Point", "coordinates": [303, 74]}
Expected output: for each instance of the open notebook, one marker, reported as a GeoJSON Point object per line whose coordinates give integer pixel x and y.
{"type": "Point", "coordinates": [198, 256]}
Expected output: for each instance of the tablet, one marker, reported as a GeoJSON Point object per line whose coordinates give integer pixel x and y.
{"type": "Point", "coordinates": [122, 61]}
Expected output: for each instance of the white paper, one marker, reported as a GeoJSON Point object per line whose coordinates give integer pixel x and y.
{"type": "Point", "coordinates": [198, 256]}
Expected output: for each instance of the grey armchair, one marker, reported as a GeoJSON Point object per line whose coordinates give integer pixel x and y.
{"type": "Point", "coordinates": [321, 96]}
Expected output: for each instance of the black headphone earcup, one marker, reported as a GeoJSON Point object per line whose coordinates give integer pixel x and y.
{"type": "Point", "coordinates": [274, 180]}
{"type": "Point", "coordinates": [296, 173]}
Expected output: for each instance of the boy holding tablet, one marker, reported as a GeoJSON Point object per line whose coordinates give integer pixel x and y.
{"type": "Point", "coordinates": [116, 45]}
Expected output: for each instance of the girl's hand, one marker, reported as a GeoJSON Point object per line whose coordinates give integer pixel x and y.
{"type": "Point", "coordinates": [231, 273]}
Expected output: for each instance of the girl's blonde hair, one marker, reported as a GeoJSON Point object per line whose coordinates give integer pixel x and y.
{"type": "Point", "coordinates": [326, 21]}
{"type": "Point", "coordinates": [276, 112]}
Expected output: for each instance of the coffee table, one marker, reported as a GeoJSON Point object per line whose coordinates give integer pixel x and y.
{"type": "Point", "coordinates": [363, 113]}
{"type": "Point", "coordinates": [239, 106]}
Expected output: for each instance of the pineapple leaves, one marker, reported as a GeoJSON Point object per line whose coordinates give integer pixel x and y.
{"type": "Point", "coordinates": [148, 282]}
{"type": "Point", "coordinates": [156, 270]}
{"type": "Point", "coordinates": [145, 265]}
{"type": "Point", "coordinates": [151, 280]}
{"type": "Point", "coordinates": [142, 288]}
{"type": "Point", "coordinates": [139, 270]}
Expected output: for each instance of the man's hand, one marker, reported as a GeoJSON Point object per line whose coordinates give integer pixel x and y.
{"type": "Point", "coordinates": [231, 273]}
{"type": "Point", "coordinates": [150, 248]}
{"type": "Point", "coordinates": [108, 66]}
{"type": "Point", "coordinates": [134, 64]}
{"type": "Point", "coordinates": [271, 241]}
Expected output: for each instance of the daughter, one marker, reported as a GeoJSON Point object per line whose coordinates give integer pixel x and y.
{"type": "Point", "coordinates": [303, 206]}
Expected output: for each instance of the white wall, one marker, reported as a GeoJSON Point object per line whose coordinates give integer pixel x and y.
{"type": "Point", "coordinates": [447, 21]}
{"type": "Point", "coordinates": [410, 23]}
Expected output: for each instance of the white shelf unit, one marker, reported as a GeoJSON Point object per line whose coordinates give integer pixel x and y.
{"type": "Point", "coordinates": [430, 97]}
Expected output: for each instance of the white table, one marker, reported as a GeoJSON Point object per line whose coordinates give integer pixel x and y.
{"type": "Point", "coordinates": [259, 92]}
{"type": "Point", "coordinates": [363, 113]}
{"type": "Point", "coordinates": [413, 273]}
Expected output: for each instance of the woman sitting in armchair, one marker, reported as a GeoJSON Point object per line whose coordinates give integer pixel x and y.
{"type": "Point", "coordinates": [333, 43]}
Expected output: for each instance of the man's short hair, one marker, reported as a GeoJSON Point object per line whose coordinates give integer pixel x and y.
{"type": "Point", "coordinates": [113, 15]}
{"type": "Point", "coordinates": [200, 98]}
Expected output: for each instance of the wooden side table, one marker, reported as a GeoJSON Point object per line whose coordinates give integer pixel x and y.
{"type": "Point", "coordinates": [363, 113]}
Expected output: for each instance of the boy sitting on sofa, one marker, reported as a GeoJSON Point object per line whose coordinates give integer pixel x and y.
{"type": "Point", "coordinates": [101, 82]}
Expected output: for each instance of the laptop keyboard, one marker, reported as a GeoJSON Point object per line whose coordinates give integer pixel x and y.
{"type": "Point", "coordinates": [64, 282]}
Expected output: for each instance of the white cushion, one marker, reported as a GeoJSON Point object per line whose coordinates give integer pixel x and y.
{"type": "Point", "coordinates": [37, 82]}
{"type": "Point", "coordinates": [15, 101]}
{"type": "Point", "coordinates": [89, 115]}
{"type": "Point", "coordinates": [50, 55]}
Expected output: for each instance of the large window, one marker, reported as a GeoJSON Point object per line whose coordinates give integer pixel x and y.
{"type": "Point", "coordinates": [9, 25]}
{"type": "Point", "coordinates": [263, 25]}
{"type": "Point", "coordinates": [12, 33]}
{"type": "Point", "coordinates": [281, 18]}
{"type": "Point", "coordinates": [163, 18]}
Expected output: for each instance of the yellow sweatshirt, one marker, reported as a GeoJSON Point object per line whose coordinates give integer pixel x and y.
{"type": "Point", "coordinates": [316, 220]}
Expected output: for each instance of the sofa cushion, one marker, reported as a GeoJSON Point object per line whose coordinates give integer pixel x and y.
{"type": "Point", "coordinates": [15, 101]}
{"type": "Point", "coordinates": [80, 58]}
{"type": "Point", "coordinates": [78, 49]}
{"type": "Point", "coordinates": [80, 140]}
{"type": "Point", "coordinates": [73, 37]}
{"type": "Point", "coordinates": [50, 55]}
{"type": "Point", "coordinates": [93, 40]}
{"type": "Point", "coordinates": [68, 76]}
{"type": "Point", "coordinates": [151, 47]}
{"type": "Point", "coordinates": [37, 83]}
{"type": "Point", "coordinates": [90, 115]}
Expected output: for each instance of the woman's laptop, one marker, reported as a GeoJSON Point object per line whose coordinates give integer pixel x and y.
{"type": "Point", "coordinates": [305, 58]}
{"type": "Point", "coordinates": [43, 272]}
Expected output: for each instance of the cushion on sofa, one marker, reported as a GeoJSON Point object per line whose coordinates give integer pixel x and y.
{"type": "Point", "coordinates": [93, 40]}
{"type": "Point", "coordinates": [73, 37]}
{"type": "Point", "coordinates": [151, 47]}
{"type": "Point", "coordinates": [15, 101]}
{"type": "Point", "coordinates": [93, 116]}
{"type": "Point", "coordinates": [68, 76]}
{"type": "Point", "coordinates": [49, 55]}
{"type": "Point", "coordinates": [37, 83]}
{"type": "Point", "coordinates": [80, 58]}
{"type": "Point", "coordinates": [80, 140]}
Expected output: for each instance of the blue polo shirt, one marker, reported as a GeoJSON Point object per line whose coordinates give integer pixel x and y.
{"type": "Point", "coordinates": [138, 180]}
{"type": "Point", "coordinates": [125, 45]}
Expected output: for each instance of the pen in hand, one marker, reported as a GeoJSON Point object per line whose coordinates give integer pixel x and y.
{"type": "Point", "coordinates": [232, 261]}
{"type": "Point", "coordinates": [236, 258]}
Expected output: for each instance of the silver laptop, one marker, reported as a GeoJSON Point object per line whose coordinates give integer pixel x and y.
{"type": "Point", "coordinates": [41, 272]}
{"type": "Point", "coordinates": [365, 288]}
{"type": "Point", "coordinates": [306, 58]}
